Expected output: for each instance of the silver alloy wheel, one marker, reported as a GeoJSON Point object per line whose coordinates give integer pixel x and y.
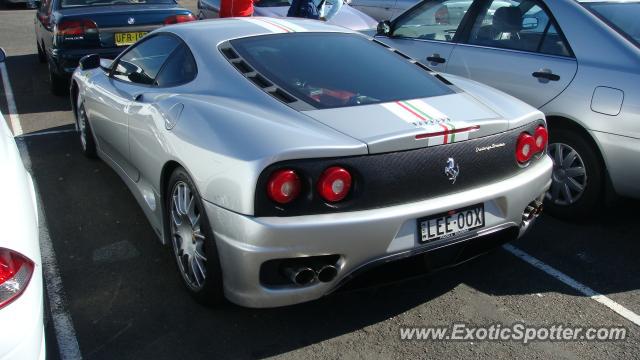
{"type": "Point", "coordinates": [569, 175]}
{"type": "Point", "coordinates": [82, 127]}
{"type": "Point", "coordinates": [187, 237]}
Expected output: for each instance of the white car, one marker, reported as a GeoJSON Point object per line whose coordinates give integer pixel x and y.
{"type": "Point", "coordinates": [21, 284]}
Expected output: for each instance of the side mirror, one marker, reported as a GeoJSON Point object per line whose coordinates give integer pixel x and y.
{"type": "Point", "coordinates": [384, 28]}
{"type": "Point", "coordinates": [3, 55]}
{"type": "Point", "coordinates": [89, 62]}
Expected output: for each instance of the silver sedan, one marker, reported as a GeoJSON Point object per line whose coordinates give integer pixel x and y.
{"type": "Point", "coordinates": [276, 179]}
{"type": "Point", "coordinates": [577, 61]}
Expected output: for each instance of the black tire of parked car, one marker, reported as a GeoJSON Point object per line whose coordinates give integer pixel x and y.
{"type": "Point", "coordinates": [41, 57]}
{"type": "Point", "coordinates": [84, 130]}
{"type": "Point", "coordinates": [589, 203]}
{"type": "Point", "coordinates": [211, 294]}
{"type": "Point", "coordinates": [58, 84]}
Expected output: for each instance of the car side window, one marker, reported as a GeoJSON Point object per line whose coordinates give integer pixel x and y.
{"type": "Point", "coordinates": [433, 20]}
{"type": "Point", "coordinates": [517, 25]}
{"type": "Point", "coordinates": [141, 63]}
{"type": "Point", "coordinates": [179, 69]}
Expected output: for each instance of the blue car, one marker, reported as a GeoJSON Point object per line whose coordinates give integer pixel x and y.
{"type": "Point", "coordinates": [67, 30]}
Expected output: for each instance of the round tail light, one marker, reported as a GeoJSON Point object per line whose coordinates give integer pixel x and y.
{"type": "Point", "coordinates": [541, 137]}
{"type": "Point", "coordinates": [334, 184]}
{"type": "Point", "coordinates": [283, 186]}
{"type": "Point", "coordinates": [525, 148]}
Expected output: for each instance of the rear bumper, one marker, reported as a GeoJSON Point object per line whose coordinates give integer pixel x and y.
{"type": "Point", "coordinates": [360, 238]}
{"type": "Point", "coordinates": [65, 61]}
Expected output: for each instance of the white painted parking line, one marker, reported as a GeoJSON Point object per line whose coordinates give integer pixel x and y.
{"type": "Point", "coordinates": [587, 291]}
{"type": "Point", "coordinates": [61, 318]}
{"type": "Point", "coordinates": [14, 118]}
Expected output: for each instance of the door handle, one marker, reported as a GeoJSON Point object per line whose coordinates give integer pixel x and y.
{"type": "Point", "coordinates": [548, 75]}
{"type": "Point", "coordinates": [137, 97]}
{"type": "Point", "coordinates": [435, 58]}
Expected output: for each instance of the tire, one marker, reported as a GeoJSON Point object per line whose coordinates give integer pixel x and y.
{"type": "Point", "coordinates": [85, 134]}
{"type": "Point", "coordinates": [41, 57]}
{"type": "Point", "coordinates": [58, 84]}
{"type": "Point", "coordinates": [192, 241]}
{"type": "Point", "coordinates": [570, 150]}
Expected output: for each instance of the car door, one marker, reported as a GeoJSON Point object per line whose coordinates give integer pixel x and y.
{"type": "Point", "coordinates": [377, 9]}
{"type": "Point", "coordinates": [428, 31]}
{"type": "Point", "coordinates": [516, 46]}
{"type": "Point", "coordinates": [155, 110]}
{"type": "Point", "coordinates": [123, 92]}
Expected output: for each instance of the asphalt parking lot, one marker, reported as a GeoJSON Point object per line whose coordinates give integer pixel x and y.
{"type": "Point", "coordinates": [124, 298]}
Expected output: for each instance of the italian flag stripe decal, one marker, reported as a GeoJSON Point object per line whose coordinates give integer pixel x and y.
{"type": "Point", "coordinates": [439, 128]}
{"type": "Point", "coordinates": [274, 25]}
{"type": "Point", "coordinates": [280, 26]}
{"type": "Point", "coordinates": [406, 103]}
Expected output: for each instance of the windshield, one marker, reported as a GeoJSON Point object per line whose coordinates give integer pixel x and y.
{"type": "Point", "coordinates": [330, 70]}
{"type": "Point", "coordinates": [78, 3]}
{"type": "Point", "coordinates": [622, 17]}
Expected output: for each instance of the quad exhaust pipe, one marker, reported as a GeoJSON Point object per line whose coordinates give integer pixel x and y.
{"type": "Point", "coordinates": [327, 273]}
{"type": "Point", "coordinates": [532, 211]}
{"type": "Point", "coordinates": [302, 276]}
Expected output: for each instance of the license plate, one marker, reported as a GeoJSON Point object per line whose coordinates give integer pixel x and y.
{"type": "Point", "coordinates": [451, 223]}
{"type": "Point", "coordinates": [128, 38]}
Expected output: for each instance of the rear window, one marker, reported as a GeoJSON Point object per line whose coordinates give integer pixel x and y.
{"type": "Point", "coordinates": [621, 16]}
{"type": "Point", "coordinates": [329, 70]}
{"type": "Point", "coordinates": [78, 3]}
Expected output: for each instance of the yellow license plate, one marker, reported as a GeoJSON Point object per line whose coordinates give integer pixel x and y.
{"type": "Point", "coordinates": [128, 38]}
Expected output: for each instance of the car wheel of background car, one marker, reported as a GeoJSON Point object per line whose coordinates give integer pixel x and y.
{"type": "Point", "coordinates": [84, 131]}
{"type": "Point", "coordinates": [41, 57]}
{"type": "Point", "coordinates": [59, 85]}
{"type": "Point", "coordinates": [578, 175]}
{"type": "Point", "coordinates": [192, 240]}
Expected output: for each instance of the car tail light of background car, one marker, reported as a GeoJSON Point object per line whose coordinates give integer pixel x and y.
{"type": "Point", "coordinates": [15, 273]}
{"type": "Point", "coordinates": [334, 184]}
{"type": "Point", "coordinates": [176, 19]}
{"type": "Point", "coordinates": [529, 145]}
{"type": "Point", "coordinates": [284, 186]}
{"type": "Point", "coordinates": [76, 28]}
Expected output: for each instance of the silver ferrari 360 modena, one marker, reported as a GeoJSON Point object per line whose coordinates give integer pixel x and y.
{"type": "Point", "coordinates": [277, 176]}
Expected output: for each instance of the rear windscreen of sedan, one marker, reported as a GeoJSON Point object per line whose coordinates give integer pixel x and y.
{"type": "Point", "coordinates": [329, 70]}
{"type": "Point", "coordinates": [77, 3]}
{"type": "Point", "coordinates": [621, 16]}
